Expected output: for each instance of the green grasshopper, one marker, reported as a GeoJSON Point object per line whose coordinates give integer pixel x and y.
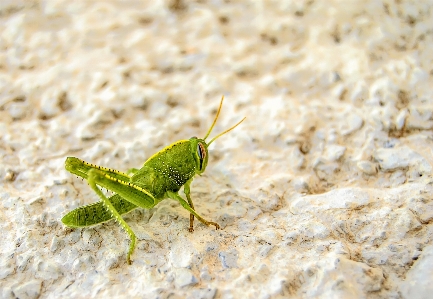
{"type": "Point", "coordinates": [161, 176]}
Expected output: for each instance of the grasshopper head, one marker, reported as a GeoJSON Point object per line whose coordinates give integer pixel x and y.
{"type": "Point", "coordinates": [199, 146]}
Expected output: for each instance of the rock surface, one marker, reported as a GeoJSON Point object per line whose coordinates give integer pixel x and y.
{"type": "Point", "coordinates": [324, 191]}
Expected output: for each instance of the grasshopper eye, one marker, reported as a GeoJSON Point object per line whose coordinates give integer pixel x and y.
{"type": "Point", "coordinates": [201, 151]}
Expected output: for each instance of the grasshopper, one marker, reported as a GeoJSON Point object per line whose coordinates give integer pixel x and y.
{"type": "Point", "coordinates": [161, 176]}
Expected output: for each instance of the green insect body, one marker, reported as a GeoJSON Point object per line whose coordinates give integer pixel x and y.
{"type": "Point", "coordinates": [161, 176]}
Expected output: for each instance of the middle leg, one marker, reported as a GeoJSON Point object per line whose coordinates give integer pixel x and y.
{"type": "Point", "coordinates": [176, 196]}
{"type": "Point", "coordinates": [187, 190]}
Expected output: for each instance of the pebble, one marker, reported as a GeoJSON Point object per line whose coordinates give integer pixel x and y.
{"type": "Point", "coordinates": [338, 277]}
{"type": "Point", "coordinates": [354, 123]}
{"type": "Point", "coordinates": [229, 258]}
{"type": "Point", "coordinates": [184, 277]}
{"type": "Point", "coordinates": [201, 293]}
{"type": "Point", "coordinates": [27, 290]}
{"type": "Point", "coordinates": [367, 167]}
{"type": "Point", "coordinates": [334, 152]}
{"type": "Point", "coordinates": [401, 157]}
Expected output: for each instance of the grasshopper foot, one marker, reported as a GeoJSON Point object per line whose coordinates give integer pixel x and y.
{"type": "Point", "coordinates": [217, 226]}
{"type": "Point", "coordinates": [128, 258]}
{"type": "Point", "coordinates": [191, 229]}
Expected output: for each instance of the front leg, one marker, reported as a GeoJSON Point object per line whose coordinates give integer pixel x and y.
{"type": "Point", "coordinates": [187, 190]}
{"type": "Point", "coordinates": [176, 196]}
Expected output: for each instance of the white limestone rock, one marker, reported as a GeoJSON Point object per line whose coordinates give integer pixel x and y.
{"type": "Point", "coordinates": [347, 198]}
{"type": "Point", "coordinates": [184, 277]}
{"type": "Point", "coordinates": [27, 290]}
{"type": "Point", "coordinates": [338, 277]}
{"type": "Point", "coordinates": [323, 191]}
{"type": "Point", "coordinates": [391, 159]}
{"type": "Point", "coordinates": [417, 283]}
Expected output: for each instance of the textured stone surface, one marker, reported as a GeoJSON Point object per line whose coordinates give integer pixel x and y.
{"type": "Point", "coordinates": [419, 278]}
{"type": "Point", "coordinates": [325, 191]}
